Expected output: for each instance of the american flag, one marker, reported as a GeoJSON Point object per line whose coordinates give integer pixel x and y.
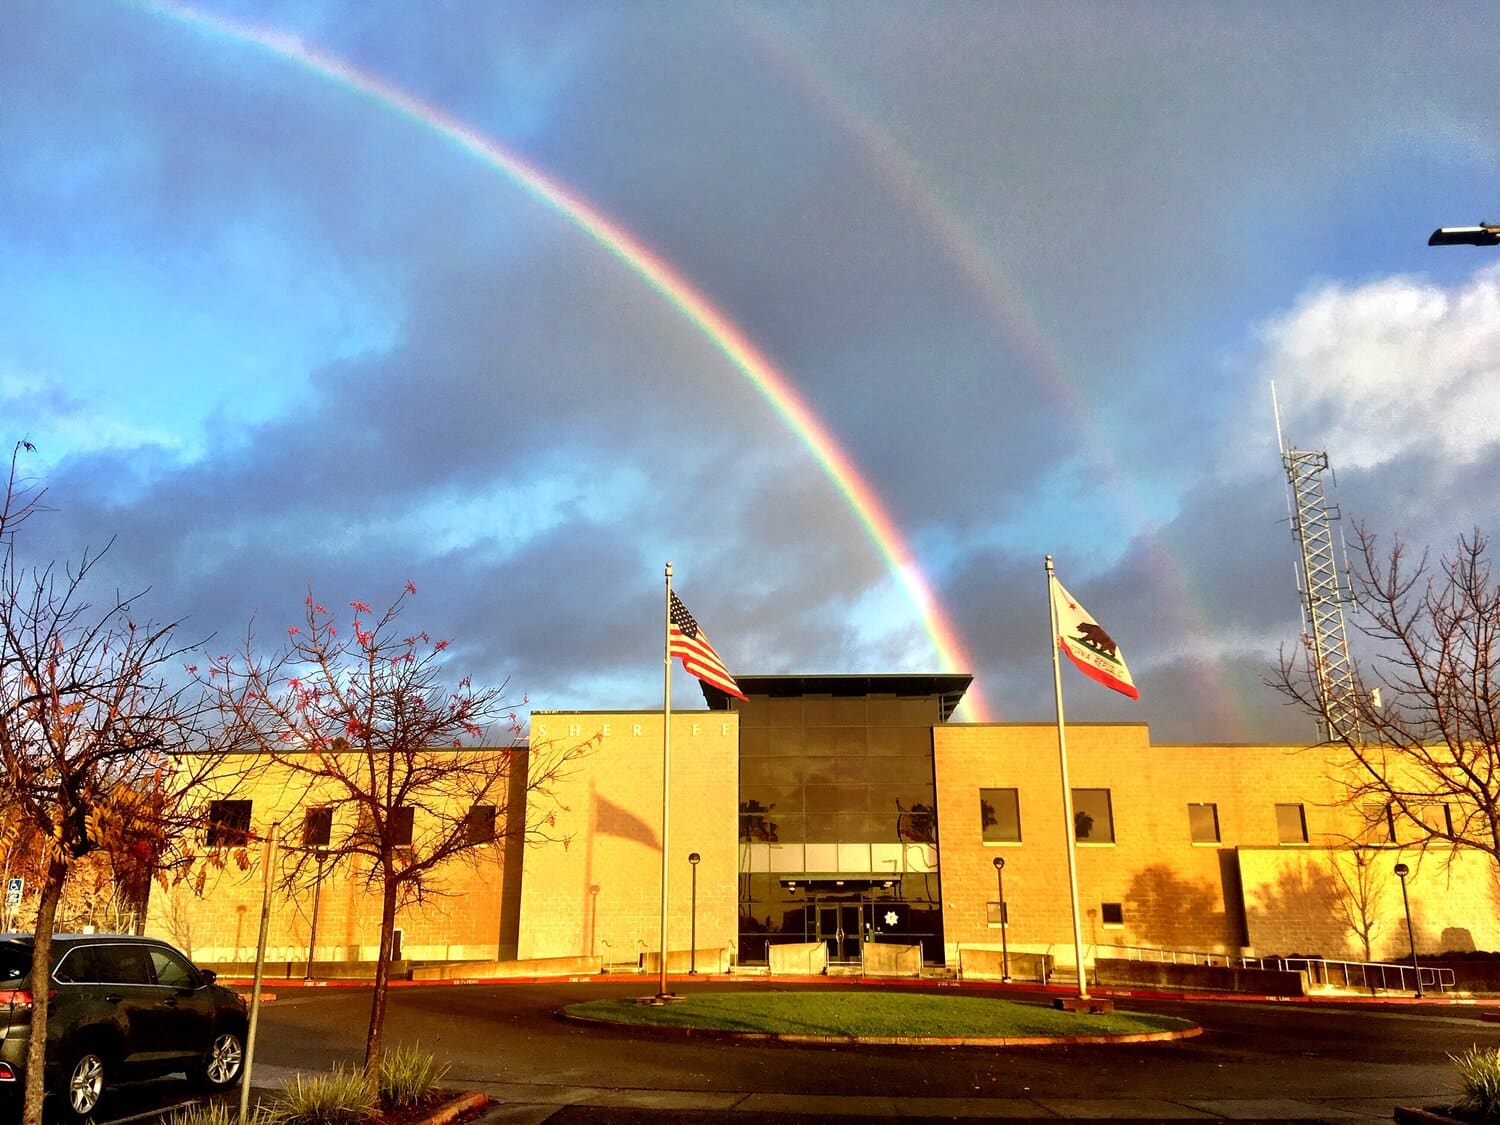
{"type": "Point", "coordinates": [685, 639]}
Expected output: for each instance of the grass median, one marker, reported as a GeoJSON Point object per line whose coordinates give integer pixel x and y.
{"type": "Point", "coordinates": [872, 1014]}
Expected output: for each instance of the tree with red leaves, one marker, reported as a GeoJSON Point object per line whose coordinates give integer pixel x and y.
{"type": "Point", "coordinates": [92, 729]}
{"type": "Point", "coordinates": [363, 721]}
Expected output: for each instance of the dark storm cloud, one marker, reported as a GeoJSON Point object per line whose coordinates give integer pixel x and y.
{"type": "Point", "coordinates": [1124, 175]}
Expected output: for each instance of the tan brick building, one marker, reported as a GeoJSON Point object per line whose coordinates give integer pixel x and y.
{"type": "Point", "coordinates": [845, 810]}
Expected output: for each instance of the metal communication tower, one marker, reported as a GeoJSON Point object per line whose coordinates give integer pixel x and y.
{"type": "Point", "coordinates": [1321, 582]}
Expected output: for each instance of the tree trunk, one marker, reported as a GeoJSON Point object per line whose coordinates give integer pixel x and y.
{"type": "Point", "coordinates": [41, 956]}
{"type": "Point", "coordinates": [382, 982]}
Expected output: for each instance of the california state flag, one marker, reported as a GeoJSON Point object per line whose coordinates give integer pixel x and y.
{"type": "Point", "coordinates": [1088, 646]}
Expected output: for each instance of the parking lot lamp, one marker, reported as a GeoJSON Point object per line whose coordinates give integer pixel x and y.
{"type": "Point", "coordinates": [693, 858]}
{"type": "Point", "coordinates": [1402, 871]}
{"type": "Point", "coordinates": [1004, 943]}
{"type": "Point", "coordinates": [1485, 234]}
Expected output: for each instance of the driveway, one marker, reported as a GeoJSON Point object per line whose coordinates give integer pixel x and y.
{"type": "Point", "coordinates": [1253, 1061]}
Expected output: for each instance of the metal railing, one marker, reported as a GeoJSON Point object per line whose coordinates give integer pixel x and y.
{"type": "Point", "coordinates": [1321, 971]}
{"type": "Point", "coordinates": [1367, 975]}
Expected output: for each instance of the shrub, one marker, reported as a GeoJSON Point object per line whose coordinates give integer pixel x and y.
{"type": "Point", "coordinates": [341, 1097]}
{"type": "Point", "coordinates": [409, 1076]}
{"type": "Point", "coordinates": [215, 1113]}
{"type": "Point", "coordinates": [1479, 1072]}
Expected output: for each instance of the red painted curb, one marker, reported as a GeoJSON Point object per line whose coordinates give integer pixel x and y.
{"type": "Point", "coordinates": [456, 1108]}
{"type": "Point", "coordinates": [243, 984]}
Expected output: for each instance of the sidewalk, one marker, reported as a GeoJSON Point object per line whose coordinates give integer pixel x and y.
{"type": "Point", "coordinates": [525, 1104]}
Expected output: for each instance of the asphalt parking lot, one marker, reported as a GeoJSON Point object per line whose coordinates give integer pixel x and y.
{"type": "Point", "coordinates": [1254, 1061]}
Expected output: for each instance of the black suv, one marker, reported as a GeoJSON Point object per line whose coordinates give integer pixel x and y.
{"type": "Point", "coordinates": [121, 1008]}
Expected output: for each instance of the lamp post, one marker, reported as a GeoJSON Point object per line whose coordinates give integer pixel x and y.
{"type": "Point", "coordinates": [1485, 234]}
{"type": "Point", "coordinates": [1402, 871]}
{"type": "Point", "coordinates": [312, 936]}
{"type": "Point", "coordinates": [1004, 943]}
{"type": "Point", "coordinates": [693, 858]}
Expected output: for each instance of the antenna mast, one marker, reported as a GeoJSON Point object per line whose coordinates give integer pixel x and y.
{"type": "Point", "coordinates": [1321, 584]}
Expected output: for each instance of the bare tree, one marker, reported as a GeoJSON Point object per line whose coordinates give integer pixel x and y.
{"type": "Point", "coordinates": [1425, 740]}
{"type": "Point", "coordinates": [89, 725]}
{"type": "Point", "coordinates": [363, 723]}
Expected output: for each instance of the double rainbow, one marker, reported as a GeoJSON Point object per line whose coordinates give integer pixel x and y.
{"type": "Point", "coordinates": [772, 384]}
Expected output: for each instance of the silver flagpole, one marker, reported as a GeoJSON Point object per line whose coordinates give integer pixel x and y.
{"type": "Point", "coordinates": [1067, 792]}
{"type": "Point", "coordinates": [666, 778]}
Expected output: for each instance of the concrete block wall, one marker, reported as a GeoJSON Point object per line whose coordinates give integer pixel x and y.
{"type": "Point", "coordinates": [458, 918]}
{"type": "Point", "coordinates": [1173, 893]}
{"type": "Point", "coordinates": [600, 894]}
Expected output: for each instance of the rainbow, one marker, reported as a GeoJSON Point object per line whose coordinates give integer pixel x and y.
{"type": "Point", "coordinates": [995, 289]}
{"type": "Point", "coordinates": [716, 327]}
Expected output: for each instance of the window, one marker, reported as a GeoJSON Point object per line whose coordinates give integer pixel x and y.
{"type": "Point", "coordinates": [1112, 914]}
{"type": "Point", "coordinates": [1436, 819]}
{"type": "Point", "coordinates": [317, 828]}
{"type": "Point", "coordinates": [124, 964]}
{"type": "Point", "coordinates": [1093, 817]}
{"type": "Point", "coordinates": [1380, 824]}
{"type": "Point", "coordinates": [1203, 822]}
{"type": "Point", "coordinates": [1000, 816]}
{"type": "Point", "coordinates": [172, 970]}
{"type": "Point", "coordinates": [400, 825]}
{"type": "Point", "coordinates": [78, 966]}
{"type": "Point", "coordinates": [480, 824]}
{"type": "Point", "coordinates": [228, 824]}
{"type": "Point", "coordinates": [994, 914]}
{"type": "Point", "coordinates": [1291, 824]}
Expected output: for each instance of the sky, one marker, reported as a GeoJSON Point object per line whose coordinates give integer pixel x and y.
{"type": "Point", "coordinates": [853, 312]}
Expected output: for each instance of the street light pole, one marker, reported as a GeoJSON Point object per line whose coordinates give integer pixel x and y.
{"type": "Point", "coordinates": [1485, 234]}
{"type": "Point", "coordinates": [1402, 871]}
{"type": "Point", "coordinates": [693, 858]}
{"type": "Point", "coordinates": [312, 936]}
{"type": "Point", "coordinates": [1004, 942]}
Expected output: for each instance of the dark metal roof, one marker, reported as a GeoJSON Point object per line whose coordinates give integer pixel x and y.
{"type": "Point", "coordinates": [949, 688]}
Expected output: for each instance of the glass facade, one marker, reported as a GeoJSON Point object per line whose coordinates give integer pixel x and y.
{"type": "Point", "coordinates": [837, 808]}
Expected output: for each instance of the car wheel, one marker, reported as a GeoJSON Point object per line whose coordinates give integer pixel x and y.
{"type": "Point", "coordinates": [85, 1084]}
{"type": "Point", "coordinates": [224, 1063]}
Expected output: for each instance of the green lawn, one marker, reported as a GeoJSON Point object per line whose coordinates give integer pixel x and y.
{"type": "Point", "coordinates": [871, 1013]}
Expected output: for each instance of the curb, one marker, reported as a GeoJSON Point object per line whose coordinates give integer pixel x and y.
{"type": "Point", "coordinates": [456, 1108]}
{"type": "Point", "coordinates": [893, 1040]}
{"type": "Point", "coordinates": [1412, 1115]}
{"type": "Point", "coordinates": [290, 985]}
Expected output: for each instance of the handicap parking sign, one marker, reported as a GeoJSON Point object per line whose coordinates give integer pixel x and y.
{"type": "Point", "coordinates": [13, 891]}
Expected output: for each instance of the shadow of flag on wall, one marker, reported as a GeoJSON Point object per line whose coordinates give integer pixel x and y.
{"type": "Point", "coordinates": [616, 820]}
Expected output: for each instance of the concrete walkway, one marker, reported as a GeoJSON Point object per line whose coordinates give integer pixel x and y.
{"type": "Point", "coordinates": [527, 1104]}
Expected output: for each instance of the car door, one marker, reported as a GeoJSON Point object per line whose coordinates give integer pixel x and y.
{"type": "Point", "coordinates": [185, 1009]}
{"type": "Point", "coordinates": [129, 990]}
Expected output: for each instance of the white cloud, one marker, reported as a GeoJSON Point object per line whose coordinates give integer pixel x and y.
{"type": "Point", "coordinates": [1375, 371]}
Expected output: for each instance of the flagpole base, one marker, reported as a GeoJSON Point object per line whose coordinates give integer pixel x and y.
{"type": "Point", "coordinates": [660, 999]}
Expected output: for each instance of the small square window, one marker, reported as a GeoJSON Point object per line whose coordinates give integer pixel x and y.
{"type": "Point", "coordinates": [1112, 913]}
{"type": "Point", "coordinates": [993, 914]}
{"type": "Point", "coordinates": [1203, 823]}
{"type": "Point", "coordinates": [402, 818]}
{"type": "Point", "coordinates": [1093, 817]}
{"type": "Point", "coordinates": [1000, 816]}
{"type": "Point", "coordinates": [1380, 823]}
{"type": "Point", "coordinates": [480, 825]}
{"type": "Point", "coordinates": [1436, 819]}
{"type": "Point", "coordinates": [317, 828]}
{"type": "Point", "coordinates": [228, 824]}
{"type": "Point", "coordinates": [1291, 824]}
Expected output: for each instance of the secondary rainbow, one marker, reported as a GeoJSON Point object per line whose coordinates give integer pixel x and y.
{"type": "Point", "coordinates": [726, 336]}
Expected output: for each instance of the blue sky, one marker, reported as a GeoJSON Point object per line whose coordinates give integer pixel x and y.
{"type": "Point", "coordinates": [267, 333]}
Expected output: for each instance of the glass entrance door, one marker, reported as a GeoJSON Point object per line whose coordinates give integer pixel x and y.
{"type": "Point", "coordinates": [838, 924]}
